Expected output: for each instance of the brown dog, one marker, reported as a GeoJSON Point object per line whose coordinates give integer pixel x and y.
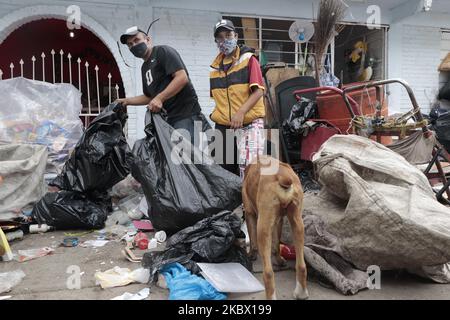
{"type": "Point", "coordinates": [270, 191]}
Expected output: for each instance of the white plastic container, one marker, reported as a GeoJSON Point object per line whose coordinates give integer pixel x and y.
{"type": "Point", "coordinates": [35, 228]}
{"type": "Point", "coordinates": [160, 236]}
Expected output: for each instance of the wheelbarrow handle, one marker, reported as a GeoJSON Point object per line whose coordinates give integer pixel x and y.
{"type": "Point", "coordinates": [390, 81]}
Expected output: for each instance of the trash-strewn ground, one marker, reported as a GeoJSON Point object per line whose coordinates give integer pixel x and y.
{"type": "Point", "coordinates": [46, 277]}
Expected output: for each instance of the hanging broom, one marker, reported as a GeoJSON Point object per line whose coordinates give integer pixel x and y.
{"type": "Point", "coordinates": [330, 12]}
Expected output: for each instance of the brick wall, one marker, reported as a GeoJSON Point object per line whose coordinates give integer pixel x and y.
{"type": "Point", "coordinates": [190, 33]}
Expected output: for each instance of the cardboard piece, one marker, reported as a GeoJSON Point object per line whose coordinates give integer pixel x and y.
{"type": "Point", "coordinates": [445, 65]}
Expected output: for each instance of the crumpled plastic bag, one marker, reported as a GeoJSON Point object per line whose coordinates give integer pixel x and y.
{"type": "Point", "coordinates": [9, 280]}
{"type": "Point", "coordinates": [209, 240]}
{"type": "Point", "coordinates": [118, 277]}
{"type": "Point", "coordinates": [185, 286]}
{"type": "Point", "coordinates": [130, 205]}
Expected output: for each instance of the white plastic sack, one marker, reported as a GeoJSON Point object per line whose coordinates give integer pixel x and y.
{"type": "Point", "coordinates": [386, 213]}
{"type": "Point", "coordinates": [230, 277]}
{"type": "Point", "coordinates": [118, 277]}
{"type": "Point", "coordinates": [41, 113]}
{"type": "Point", "coordinates": [22, 170]}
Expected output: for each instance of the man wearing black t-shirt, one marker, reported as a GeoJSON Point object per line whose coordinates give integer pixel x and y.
{"type": "Point", "coordinates": [165, 80]}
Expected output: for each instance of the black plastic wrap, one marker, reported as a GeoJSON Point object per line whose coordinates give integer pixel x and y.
{"type": "Point", "coordinates": [180, 193]}
{"type": "Point", "coordinates": [101, 158]}
{"type": "Point", "coordinates": [66, 210]}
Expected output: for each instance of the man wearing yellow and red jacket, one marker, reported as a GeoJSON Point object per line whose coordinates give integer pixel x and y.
{"type": "Point", "coordinates": [237, 88]}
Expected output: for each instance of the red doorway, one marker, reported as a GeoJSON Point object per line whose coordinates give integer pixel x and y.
{"type": "Point", "coordinates": [45, 35]}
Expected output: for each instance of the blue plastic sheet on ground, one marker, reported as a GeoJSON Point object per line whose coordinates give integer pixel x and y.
{"type": "Point", "coordinates": [185, 286]}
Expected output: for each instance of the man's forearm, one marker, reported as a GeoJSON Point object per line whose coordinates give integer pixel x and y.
{"type": "Point", "coordinates": [138, 101]}
{"type": "Point", "coordinates": [176, 85]}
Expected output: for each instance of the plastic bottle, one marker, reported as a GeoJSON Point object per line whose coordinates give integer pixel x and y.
{"type": "Point", "coordinates": [141, 241]}
{"type": "Point", "coordinates": [16, 235]}
{"type": "Point", "coordinates": [36, 228]}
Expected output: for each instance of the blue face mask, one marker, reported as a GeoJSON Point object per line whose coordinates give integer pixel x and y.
{"type": "Point", "coordinates": [227, 46]}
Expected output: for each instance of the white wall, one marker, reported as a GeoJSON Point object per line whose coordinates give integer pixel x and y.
{"type": "Point", "coordinates": [284, 9]}
{"type": "Point", "coordinates": [414, 56]}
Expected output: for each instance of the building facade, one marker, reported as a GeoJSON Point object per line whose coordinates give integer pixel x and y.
{"type": "Point", "coordinates": [414, 42]}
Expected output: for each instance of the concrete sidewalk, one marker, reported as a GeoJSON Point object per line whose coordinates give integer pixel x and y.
{"type": "Point", "coordinates": [46, 277]}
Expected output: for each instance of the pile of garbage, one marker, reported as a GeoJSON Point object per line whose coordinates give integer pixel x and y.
{"type": "Point", "coordinates": [40, 113]}
{"type": "Point", "coordinates": [94, 190]}
{"type": "Point", "coordinates": [101, 159]}
{"type": "Point", "coordinates": [374, 207]}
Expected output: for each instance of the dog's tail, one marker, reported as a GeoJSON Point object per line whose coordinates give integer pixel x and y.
{"type": "Point", "coordinates": [285, 181]}
{"type": "Point", "coordinates": [286, 194]}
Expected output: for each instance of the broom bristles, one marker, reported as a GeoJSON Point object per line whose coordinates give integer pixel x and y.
{"type": "Point", "coordinates": [330, 13]}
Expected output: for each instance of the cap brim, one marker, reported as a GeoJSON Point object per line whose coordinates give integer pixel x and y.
{"type": "Point", "coordinates": [219, 29]}
{"type": "Point", "coordinates": [124, 37]}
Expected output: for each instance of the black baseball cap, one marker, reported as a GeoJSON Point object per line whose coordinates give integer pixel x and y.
{"type": "Point", "coordinates": [223, 24]}
{"type": "Point", "coordinates": [130, 32]}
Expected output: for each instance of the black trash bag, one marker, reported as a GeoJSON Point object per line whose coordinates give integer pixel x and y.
{"type": "Point", "coordinates": [180, 190]}
{"type": "Point", "coordinates": [442, 128]}
{"type": "Point", "coordinates": [102, 157]}
{"type": "Point", "coordinates": [65, 210]}
{"type": "Point", "coordinates": [444, 92]}
{"type": "Point", "coordinates": [210, 240]}
{"type": "Point", "coordinates": [294, 126]}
